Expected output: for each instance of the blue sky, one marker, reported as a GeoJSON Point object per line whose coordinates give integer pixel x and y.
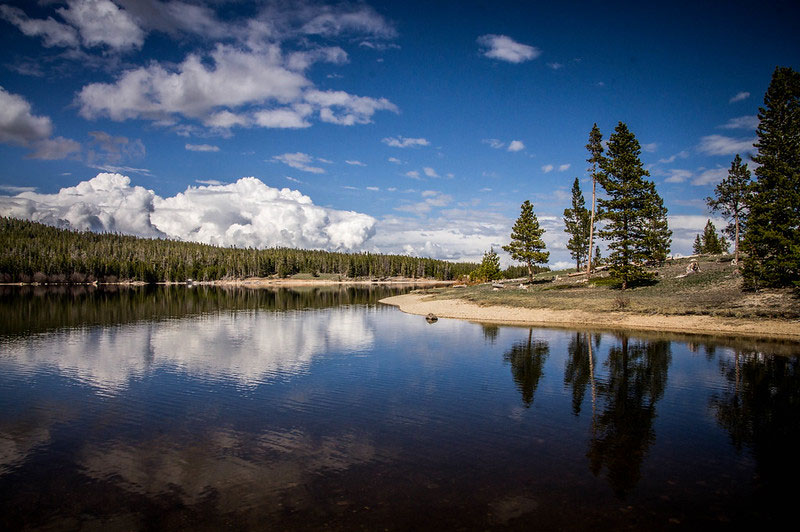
{"type": "Point", "coordinates": [402, 127]}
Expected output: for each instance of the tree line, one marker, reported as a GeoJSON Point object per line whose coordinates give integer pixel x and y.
{"type": "Point", "coordinates": [34, 252]}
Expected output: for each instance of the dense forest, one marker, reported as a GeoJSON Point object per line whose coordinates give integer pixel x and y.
{"type": "Point", "coordinates": [34, 252]}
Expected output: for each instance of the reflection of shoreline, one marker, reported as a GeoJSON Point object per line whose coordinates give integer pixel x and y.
{"type": "Point", "coordinates": [256, 282]}
{"type": "Point", "coordinates": [611, 321]}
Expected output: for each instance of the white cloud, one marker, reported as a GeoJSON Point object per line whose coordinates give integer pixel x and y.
{"type": "Point", "coordinates": [685, 228]}
{"type": "Point", "coordinates": [742, 122]}
{"type": "Point", "coordinates": [213, 89]}
{"type": "Point", "coordinates": [681, 155]}
{"type": "Point", "coordinates": [710, 176]}
{"type": "Point", "coordinates": [564, 167]}
{"type": "Point", "coordinates": [413, 174]}
{"type": "Point", "coordinates": [431, 199]}
{"type": "Point", "coordinates": [494, 143]}
{"type": "Point", "coordinates": [677, 175]}
{"type": "Point", "coordinates": [329, 22]}
{"type": "Point", "coordinates": [53, 33]}
{"type": "Point", "coordinates": [101, 22]}
{"type": "Point", "coordinates": [355, 163]}
{"type": "Point", "coordinates": [739, 97]}
{"type": "Point", "coordinates": [505, 48]}
{"type": "Point", "coordinates": [555, 66]}
{"type": "Point", "coordinates": [721, 145]}
{"type": "Point", "coordinates": [394, 160]}
{"type": "Point", "coordinates": [15, 189]}
{"type": "Point", "coordinates": [516, 145]}
{"type": "Point", "coordinates": [373, 189]}
{"type": "Point", "coordinates": [201, 147]}
{"type": "Point", "coordinates": [547, 168]}
{"type": "Point", "coordinates": [650, 148]}
{"type": "Point", "coordinates": [405, 142]}
{"type": "Point", "coordinates": [244, 213]}
{"type": "Point", "coordinates": [18, 125]}
{"type": "Point", "coordinates": [209, 181]}
{"type": "Point", "coordinates": [300, 161]}
{"type": "Point", "coordinates": [430, 172]}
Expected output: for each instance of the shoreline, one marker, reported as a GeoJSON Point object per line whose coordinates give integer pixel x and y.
{"type": "Point", "coordinates": [258, 282]}
{"type": "Point", "coordinates": [771, 329]}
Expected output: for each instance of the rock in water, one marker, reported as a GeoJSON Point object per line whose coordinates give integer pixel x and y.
{"type": "Point", "coordinates": [431, 318]}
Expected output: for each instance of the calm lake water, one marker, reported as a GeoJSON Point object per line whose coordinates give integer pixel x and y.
{"type": "Point", "coordinates": [205, 408]}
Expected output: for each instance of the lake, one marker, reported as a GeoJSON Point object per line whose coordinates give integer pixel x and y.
{"type": "Point", "coordinates": [318, 408]}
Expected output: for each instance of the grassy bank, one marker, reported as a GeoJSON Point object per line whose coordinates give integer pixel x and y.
{"type": "Point", "coordinates": [713, 291]}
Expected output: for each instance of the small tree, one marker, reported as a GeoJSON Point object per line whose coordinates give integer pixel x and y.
{"type": "Point", "coordinates": [730, 199]}
{"type": "Point", "coordinates": [709, 242]}
{"type": "Point", "coordinates": [576, 222]}
{"type": "Point", "coordinates": [526, 244]}
{"type": "Point", "coordinates": [656, 232]}
{"type": "Point", "coordinates": [489, 268]}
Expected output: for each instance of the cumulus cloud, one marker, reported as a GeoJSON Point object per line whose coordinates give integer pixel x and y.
{"type": "Point", "coordinates": [244, 213]}
{"type": "Point", "coordinates": [671, 159]}
{"type": "Point", "coordinates": [430, 172]}
{"type": "Point", "coordinates": [106, 149]}
{"type": "Point", "coordinates": [516, 145]}
{"type": "Point", "coordinates": [507, 49]}
{"type": "Point", "coordinates": [677, 175]}
{"type": "Point", "coordinates": [722, 145]}
{"type": "Point", "coordinates": [413, 174]}
{"type": "Point", "coordinates": [355, 163]}
{"type": "Point", "coordinates": [20, 127]}
{"type": "Point", "coordinates": [739, 97]}
{"type": "Point", "coordinates": [650, 148]}
{"type": "Point", "coordinates": [230, 87]}
{"type": "Point", "coordinates": [405, 142]}
{"type": "Point", "coordinates": [494, 143]}
{"type": "Point", "coordinates": [742, 122]}
{"type": "Point", "coordinates": [431, 199]}
{"type": "Point", "coordinates": [201, 147]}
{"type": "Point", "coordinates": [547, 168]}
{"type": "Point", "coordinates": [710, 176]}
{"type": "Point", "coordinates": [299, 160]}
{"type": "Point", "coordinates": [394, 160]}
{"type": "Point", "coordinates": [101, 22]}
{"type": "Point", "coordinates": [564, 167]}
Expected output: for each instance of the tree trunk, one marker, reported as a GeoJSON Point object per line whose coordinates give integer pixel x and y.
{"type": "Point", "coordinates": [591, 233]}
{"type": "Point", "coordinates": [530, 272]}
{"type": "Point", "coordinates": [736, 241]}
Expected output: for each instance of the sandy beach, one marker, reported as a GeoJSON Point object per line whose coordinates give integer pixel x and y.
{"type": "Point", "coordinates": [710, 325]}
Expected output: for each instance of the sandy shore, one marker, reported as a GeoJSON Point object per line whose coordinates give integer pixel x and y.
{"type": "Point", "coordinates": [709, 325]}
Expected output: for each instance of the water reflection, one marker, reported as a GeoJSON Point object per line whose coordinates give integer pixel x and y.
{"type": "Point", "coordinates": [527, 359]}
{"type": "Point", "coordinates": [623, 431]}
{"type": "Point", "coordinates": [245, 346]}
{"type": "Point", "coordinates": [579, 369]}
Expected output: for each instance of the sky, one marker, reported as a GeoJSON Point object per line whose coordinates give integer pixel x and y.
{"type": "Point", "coordinates": [396, 127]}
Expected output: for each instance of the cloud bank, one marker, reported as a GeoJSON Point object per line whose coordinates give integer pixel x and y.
{"type": "Point", "coordinates": [244, 213]}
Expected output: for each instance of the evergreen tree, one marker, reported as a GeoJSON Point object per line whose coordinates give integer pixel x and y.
{"type": "Point", "coordinates": [526, 244]}
{"type": "Point", "coordinates": [697, 247]}
{"type": "Point", "coordinates": [595, 148]}
{"type": "Point", "coordinates": [731, 198]}
{"type": "Point", "coordinates": [657, 235]}
{"type": "Point", "coordinates": [576, 222]}
{"type": "Point", "coordinates": [772, 239]}
{"type": "Point", "coordinates": [489, 268]}
{"type": "Point", "coordinates": [627, 208]}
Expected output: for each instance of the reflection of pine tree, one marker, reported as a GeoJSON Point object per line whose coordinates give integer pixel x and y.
{"type": "Point", "coordinates": [527, 364]}
{"type": "Point", "coordinates": [760, 409]}
{"type": "Point", "coordinates": [637, 377]}
{"type": "Point", "coordinates": [578, 369]}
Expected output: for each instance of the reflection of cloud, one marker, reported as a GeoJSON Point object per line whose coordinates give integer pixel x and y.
{"type": "Point", "coordinates": [248, 347]}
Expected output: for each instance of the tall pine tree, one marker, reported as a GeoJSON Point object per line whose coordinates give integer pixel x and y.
{"type": "Point", "coordinates": [576, 222]}
{"type": "Point", "coordinates": [657, 234]}
{"type": "Point", "coordinates": [595, 148]}
{"type": "Point", "coordinates": [627, 208]}
{"type": "Point", "coordinates": [772, 239]}
{"type": "Point", "coordinates": [526, 244]}
{"type": "Point", "coordinates": [731, 198]}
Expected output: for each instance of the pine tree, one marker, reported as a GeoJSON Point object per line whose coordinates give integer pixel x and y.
{"type": "Point", "coordinates": [595, 148]}
{"type": "Point", "coordinates": [657, 235]}
{"type": "Point", "coordinates": [772, 239]}
{"type": "Point", "coordinates": [526, 244]}
{"type": "Point", "coordinates": [489, 268]}
{"type": "Point", "coordinates": [576, 222]}
{"type": "Point", "coordinates": [709, 242]}
{"type": "Point", "coordinates": [730, 199]}
{"type": "Point", "coordinates": [697, 247]}
{"type": "Point", "coordinates": [629, 195]}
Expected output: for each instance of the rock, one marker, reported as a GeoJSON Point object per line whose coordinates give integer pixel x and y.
{"type": "Point", "coordinates": [431, 318]}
